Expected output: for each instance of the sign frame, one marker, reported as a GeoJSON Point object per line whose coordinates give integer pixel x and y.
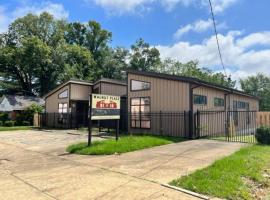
{"type": "Point", "coordinates": [108, 117]}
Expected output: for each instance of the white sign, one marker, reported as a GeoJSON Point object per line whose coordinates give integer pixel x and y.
{"type": "Point", "coordinates": [105, 107]}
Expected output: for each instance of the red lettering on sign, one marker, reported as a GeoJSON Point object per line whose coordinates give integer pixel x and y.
{"type": "Point", "coordinates": [103, 104]}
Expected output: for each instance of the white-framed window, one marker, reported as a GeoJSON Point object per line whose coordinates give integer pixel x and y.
{"type": "Point", "coordinates": [140, 112]}
{"type": "Point", "coordinates": [62, 113]}
{"type": "Point", "coordinates": [63, 94]}
{"type": "Point", "coordinates": [139, 85]}
{"type": "Point", "coordinates": [62, 108]}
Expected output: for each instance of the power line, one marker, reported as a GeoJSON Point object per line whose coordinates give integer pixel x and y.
{"type": "Point", "coordinates": [218, 46]}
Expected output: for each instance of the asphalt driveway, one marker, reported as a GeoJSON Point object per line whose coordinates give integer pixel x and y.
{"type": "Point", "coordinates": [33, 165]}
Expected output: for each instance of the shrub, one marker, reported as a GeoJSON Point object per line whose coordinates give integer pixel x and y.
{"type": "Point", "coordinates": [26, 123]}
{"type": "Point", "coordinates": [3, 117]}
{"type": "Point", "coordinates": [1, 123]}
{"type": "Point", "coordinates": [9, 123]}
{"type": "Point", "coordinates": [263, 135]}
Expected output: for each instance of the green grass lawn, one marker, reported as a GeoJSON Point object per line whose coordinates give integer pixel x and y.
{"type": "Point", "coordinates": [124, 144]}
{"type": "Point", "coordinates": [239, 176]}
{"type": "Point", "coordinates": [15, 128]}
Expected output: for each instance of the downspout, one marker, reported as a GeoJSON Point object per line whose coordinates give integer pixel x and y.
{"type": "Point", "coordinates": [191, 111]}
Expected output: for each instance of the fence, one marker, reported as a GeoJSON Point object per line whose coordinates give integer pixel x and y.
{"type": "Point", "coordinates": [263, 118]}
{"type": "Point", "coordinates": [238, 126]}
{"type": "Point", "coordinates": [161, 123]}
{"type": "Point", "coordinates": [234, 126]}
{"type": "Point", "coordinates": [75, 121]}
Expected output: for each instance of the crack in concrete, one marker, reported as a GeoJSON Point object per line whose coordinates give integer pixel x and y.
{"type": "Point", "coordinates": [34, 187]}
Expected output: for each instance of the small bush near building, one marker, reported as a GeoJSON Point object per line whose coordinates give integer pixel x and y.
{"type": "Point", "coordinates": [9, 123]}
{"type": "Point", "coordinates": [26, 123]}
{"type": "Point", "coordinates": [263, 135]}
{"type": "Point", "coordinates": [3, 117]}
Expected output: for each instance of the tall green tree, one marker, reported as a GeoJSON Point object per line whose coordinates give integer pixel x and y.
{"type": "Point", "coordinates": [114, 63]}
{"type": "Point", "coordinates": [28, 56]}
{"type": "Point", "coordinates": [258, 85]}
{"type": "Point", "coordinates": [78, 63]}
{"type": "Point", "coordinates": [96, 39]}
{"type": "Point", "coordinates": [192, 69]}
{"type": "Point", "coordinates": [143, 57]}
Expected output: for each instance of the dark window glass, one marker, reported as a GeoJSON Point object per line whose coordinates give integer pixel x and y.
{"type": "Point", "coordinates": [199, 99]}
{"type": "Point", "coordinates": [240, 105]}
{"type": "Point", "coordinates": [139, 85]}
{"type": "Point", "coordinates": [63, 94]}
{"type": "Point", "coordinates": [218, 101]}
{"type": "Point", "coordinates": [140, 112]}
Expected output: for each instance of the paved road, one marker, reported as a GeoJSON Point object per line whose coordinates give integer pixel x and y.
{"type": "Point", "coordinates": [33, 166]}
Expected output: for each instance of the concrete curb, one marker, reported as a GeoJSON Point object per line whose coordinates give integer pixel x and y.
{"type": "Point", "coordinates": [187, 192]}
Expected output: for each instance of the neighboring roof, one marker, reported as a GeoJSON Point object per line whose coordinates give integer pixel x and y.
{"type": "Point", "coordinates": [75, 81]}
{"type": "Point", "coordinates": [189, 80]}
{"type": "Point", "coordinates": [113, 81]}
{"type": "Point", "coordinates": [16, 102]}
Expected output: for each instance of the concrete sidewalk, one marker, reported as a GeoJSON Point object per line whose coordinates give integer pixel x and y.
{"type": "Point", "coordinates": [32, 168]}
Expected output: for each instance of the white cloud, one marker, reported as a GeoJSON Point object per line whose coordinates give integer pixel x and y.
{"type": "Point", "coordinates": [120, 7]}
{"type": "Point", "coordinates": [197, 26]}
{"type": "Point", "coordinates": [170, 4]}
{"type": "Point", "coordinates": [262, 38]}
{"type": "Point", "coordinates": [55, 9]}
{"type": "Point", "coordinates": [238, 59]}
{"type": "Point", "coordinates": [219, 5]}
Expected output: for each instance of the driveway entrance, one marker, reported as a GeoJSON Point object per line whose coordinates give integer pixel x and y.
{"type": "Point", "coordinates": [33, 166]}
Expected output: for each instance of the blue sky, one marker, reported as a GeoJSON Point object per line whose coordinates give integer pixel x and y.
{"type": "Point", "coordinates": [180, 29]}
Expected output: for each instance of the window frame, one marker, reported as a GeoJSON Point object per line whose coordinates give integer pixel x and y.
{"type": "Point", "coordinates": [218, 105]}
{"type": "Point", "coordinates": [140, 113]}
{"type": "Point", "coordinates": [62, 116]}
{"type": "Point", "coordinates": [206, 100]}
{"type": "Point", "coordinates": [139, 89]}
{"type": "Point", "coordinates": [66, 90]}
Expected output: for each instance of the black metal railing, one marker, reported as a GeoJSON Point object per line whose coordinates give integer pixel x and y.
{"type": "Point", "coordinates": [233, 126]}
{"type": "Point", "coordinates": [161, 123]}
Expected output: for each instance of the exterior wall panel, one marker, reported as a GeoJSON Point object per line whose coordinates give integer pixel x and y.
{"type": "Point", "coordinates": [80, 92]}
{"type": "Point", "coordinates": [113, 89]}
{"type": "Point", "coordinates": [210, 94]}
{"type": "Point", "coordinates": [166, 95]}
{"type": "Point", "coordinates": [52, 101]}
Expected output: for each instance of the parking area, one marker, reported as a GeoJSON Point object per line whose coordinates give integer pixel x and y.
{"type": "Point", "coordinates": [33, 165]}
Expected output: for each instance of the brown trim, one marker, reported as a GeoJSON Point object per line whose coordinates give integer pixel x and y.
{"type": "Point", "coordinates": [140, 89]}
{"type": "Point", "coordinates": [100, 89]}
{"type": "Point", "coordinates": [140, 113]}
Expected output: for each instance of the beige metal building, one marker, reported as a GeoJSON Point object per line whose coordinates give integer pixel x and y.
{"type": "Point", "coordinates": [72, 97]}
{"type": "Point", "coordinates": [156, 93]}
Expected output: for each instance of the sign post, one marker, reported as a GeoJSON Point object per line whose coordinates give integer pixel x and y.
{"type": "Point", "coordinates": [90, 121]}
{"type": "Point", "coordinates": [104, 107]}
